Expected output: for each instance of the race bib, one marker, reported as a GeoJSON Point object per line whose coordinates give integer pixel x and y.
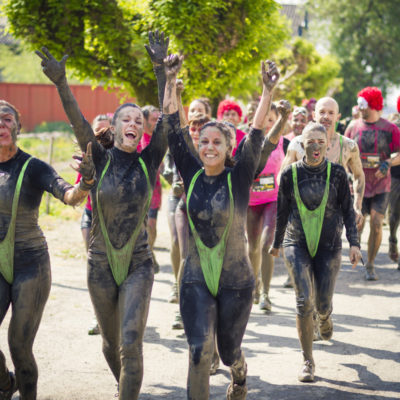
{"type": "Point", "coordinates": [264, 183]}
{"type": "Point", "coordinates": [370, 160]}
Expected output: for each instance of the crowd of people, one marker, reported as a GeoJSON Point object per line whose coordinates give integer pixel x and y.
{"type": "Point", "coordinates": [280, 181]}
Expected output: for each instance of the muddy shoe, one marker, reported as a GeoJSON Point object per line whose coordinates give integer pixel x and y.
{"type": "Point", "coordinates": [288, 283]}
{"type": "Point", "coordinates": [393, 251]}
{"type": "Point", "coordinates": [6, 394]}
{"type": "Point", "coordinates": [178, 323]}
{"type": "Point", "coordinates": [173, 297]}
{"type": "Point", "coordinates": [326, 328]}
{"type": "Point", "coordinates": [236, 391]}
{"type": "Point", "coordinates": [317, 335]}
{"type": "Point", "coordinates": [256, 298]}
{"type": "Point", "coordinates": [306, 373]}
{"type": "Point", "coordinates": [265, 303]}
{"type": "Point", "coordinates": [215, 364]}
{"type": "Point", "coordinates": [370, 274]}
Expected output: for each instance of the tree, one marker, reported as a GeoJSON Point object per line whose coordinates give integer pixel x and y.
{"type": "Point", "coordinates": [365, 37]}
{"type": "Point", "coordinates": [306, 73]}
{"type": "Point", "coordinates": [223, 40]}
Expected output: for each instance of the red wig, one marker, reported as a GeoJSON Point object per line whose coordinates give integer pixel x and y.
{"type": "Point", "coordinates": [227, 105]}
{"type": "Point", "coordinates": [398, 104]}
{"type": "Point", "coordinates": [373, 96]}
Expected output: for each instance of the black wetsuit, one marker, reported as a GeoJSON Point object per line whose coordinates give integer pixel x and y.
{"type": "Point", "coordinates": [228, 312]}
{"type": "Point", "coordinates": [30, 288]}
{"type": "Point", "coordinates": [324, 267]}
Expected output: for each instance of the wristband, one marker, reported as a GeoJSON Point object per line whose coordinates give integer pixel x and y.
{"type": "Point", "coordinates": [384, 167]}
{"type": "Point", "coordinates": [85, 187]}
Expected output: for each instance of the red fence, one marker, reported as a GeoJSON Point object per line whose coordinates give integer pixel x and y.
{"type": "Point", "coordinates": [39, 103]}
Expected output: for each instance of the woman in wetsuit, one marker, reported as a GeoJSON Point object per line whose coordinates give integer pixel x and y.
{"type": "Point", "coordinates": [217, 283]}
{"type": "Point", "coordinates": [120, 264]}
{"type": "Point", "coordinates": [25, 276]}
{"type": "Point", "coordinates": [313, 203]}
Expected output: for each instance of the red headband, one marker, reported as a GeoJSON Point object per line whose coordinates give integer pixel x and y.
{"type": "Point", "coordinates": [227, 105]}
{"type": "Point", "coordinates": [373, 96]}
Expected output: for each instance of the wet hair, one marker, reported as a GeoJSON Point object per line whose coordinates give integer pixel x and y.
{"type": "Point", "coordinates": [199, 119]}
{"type": "Point", "coordinates": [147, 110]}
{"type": "Point", "coordinates": [300, 110]}
{"type": "Point", "coordinates": [314, 126]}
{"type": "Point", "coordinates": [15, 111]}
{"type": "Point", "coordinates": [229, 162]}
{"type": "Point", "coordinates": [206, 104]}
{"type": "Point", "coordinates": [120, 108]}
{"type": "Point", "coordinates": [274, 108]}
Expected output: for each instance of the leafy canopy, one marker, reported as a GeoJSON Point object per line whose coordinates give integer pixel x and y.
{"type": "Point", "coordinates": [223, 40]}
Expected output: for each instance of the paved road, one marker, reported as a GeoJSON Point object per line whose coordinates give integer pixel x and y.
{"type": "Point", "coordinates": [362, 361]}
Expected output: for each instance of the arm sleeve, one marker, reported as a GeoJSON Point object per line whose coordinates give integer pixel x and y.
{"type": "Point", "coordinates": [46, 178]}
{"type": "Point", "coordinates": [249, 158]}
{"type": "Point", "coordinates": [283, 207]}
{"type": "Point", "coordinates": [186, 163]}
{"type": "Point", "coordinates": [346, 204]}
{"type": "Point", "coordinates": [266, 151]}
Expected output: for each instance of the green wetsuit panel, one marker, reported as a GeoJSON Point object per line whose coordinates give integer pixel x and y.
{"type": "Point", "coordinates": [7, 245]}
{"type": "Point", "coordinates": [211, 259]}
{"type": "Point", "coordinates": [120, 259]}
{"type": "Point", "coordinates": [311, 220]}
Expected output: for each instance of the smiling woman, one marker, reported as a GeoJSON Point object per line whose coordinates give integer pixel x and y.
{"type": "Point", "coordinates": [120, 263]}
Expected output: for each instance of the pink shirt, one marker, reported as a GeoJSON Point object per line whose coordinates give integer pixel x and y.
{"type": "Point", "coordinates": [376, 142]}
{"type": "Point", "coordinates": [265, 187]}
{"type": "Point", "coordinates": [239, 136]}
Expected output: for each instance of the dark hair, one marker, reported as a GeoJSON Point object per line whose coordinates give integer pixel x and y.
{"type": "Point", "coordinates": [118, 110]}
{"type": "Point", "coordinates": [101, 117]}
{"type": "Point", "coordinates": [147, 110]}
{"type": "Point", "coordinates": [16, 112]}
{"type": "Point", "coordinates": [274, 108]}
{"type": "Point", "coordinates": [229, 162]}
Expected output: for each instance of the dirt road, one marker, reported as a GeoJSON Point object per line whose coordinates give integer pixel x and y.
{"type": "Point", "coordinates": [362, 361]}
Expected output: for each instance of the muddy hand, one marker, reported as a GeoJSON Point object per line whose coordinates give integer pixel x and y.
{"type": "Point", "coordinates": [172, 64]}
{"type": "Point", "coordinates": [53, 69]}
{"type": "Point", "coordinates": [86, 166]}
{"type": "Point", "coordinates": [355, 256]}
{"type": "Point", "coordinates": [180, 87]}
{"type": "Point", "coordinates": [270, 77]}
{"type": "Point", "coordinates": [284, 108]}
{"type": "Point", "coordinates": [157, 47]}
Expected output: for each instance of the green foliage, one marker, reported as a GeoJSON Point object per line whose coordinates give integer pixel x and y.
{"type": "Point", "coordinates": [53, 126]}
{"type": "Point", "coordinates": [365, 37]}
{"type": "Point", "coordinates": [223, 41]}
{"type": "Point", "coordinates": [305, 73]}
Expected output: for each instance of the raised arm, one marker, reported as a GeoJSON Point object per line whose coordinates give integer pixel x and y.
{"type": "Point", "coordinates": [182, 116]}
{"type": "Point", "coordinates": [173, 64]}
{"type": "Point", "coordinates": [158, 50]}
{"type": "Point", "coordinates": [55, 71]}
{"type": "Point", "coordinates": [270, 78]}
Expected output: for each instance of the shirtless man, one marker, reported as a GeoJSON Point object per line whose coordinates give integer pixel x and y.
{"type": "Point", "coordinates": [340, 150]}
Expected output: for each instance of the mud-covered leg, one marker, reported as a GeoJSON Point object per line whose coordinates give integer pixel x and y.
{"type": "Point", "coordinates": [5, 301]}
{"type": "Point", "coordinates": [29, 293]}
{"type": "Point", "coordinates": [199, 313]}
{"type": "Point", "coordinates": [301, 269]}
{"type": "Point", "coordinates": [104, 295]}
{"type": "Point", "coordinates": [134, 300]}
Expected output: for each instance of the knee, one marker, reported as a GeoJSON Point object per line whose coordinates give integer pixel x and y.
{"type": "Point", "coordinates": [20, 352]}
{"type": "Point", "coordinates": [376, 224]}
{"type": "Point", "coordinates": [304, 306]}
{"type": "Point", "coordinates": [131, 349]}
{"type": "Point", "coordinates": [200, 353]}
{"type": "Point", "coordinates": [229, 356]}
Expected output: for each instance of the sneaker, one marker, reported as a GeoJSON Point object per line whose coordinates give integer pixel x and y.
{"type": "Point", "coordinates": [306, 373]}
{"type": "Point", "coordinates": [94, 330]}
{"type": "Point", "coordinates": [173, 297]}
{"type": "Point", "coordinates": [265, 303]}
{"type": "Point", "coordinates": [393, 251]}
{"type": "Point", "coordinates": [256, 298]}
{"type": "Point", "coordinates": [370, 274]}
{"type": "Point", "coordinates": [317, 335]}
{"type": "Point", "coordinates": [326, 328]}
{"type": "Point", "coordinates": [236, 391]}
{"type": "Point", "coordinates": [6, 394]}
{"type": "Point", "coordinates": [288, 283]}
{"type": "Point", "coordinates": [178, 323]}
{"type": "Point", "coordinates": [214, 364]}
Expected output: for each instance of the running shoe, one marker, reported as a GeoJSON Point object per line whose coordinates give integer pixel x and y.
{"type": "Point", "coordinates": [306, 373]}
{"type": "Point", "coordinates": [173, 297]}
{"type": "Point", "coordinates": [265, 303]}
{"type": "Point", "coordinates": [370, 274]}
{"type": "Point", "coordinates": [236, 391]}
{"type": "Point", "coordinates": [178, 323]}
{"type": "Point", "coordinates": [326, 328]}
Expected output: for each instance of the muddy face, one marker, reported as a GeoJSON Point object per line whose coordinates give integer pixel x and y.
{"type": "Point", "coordinates": [213, 149]}
{"type": "Point", "coordinates": [128, 129]}
{"type": "Point", "coordinates": [195, 108]}
{"type": "Point", "coordinates": [315, 145]}
{"type": "Point", "coordinates": [9, 127]}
